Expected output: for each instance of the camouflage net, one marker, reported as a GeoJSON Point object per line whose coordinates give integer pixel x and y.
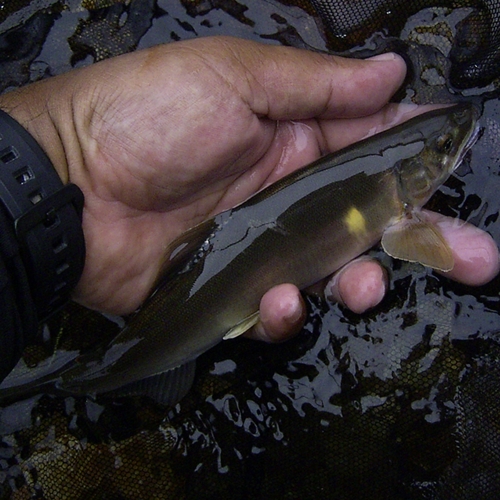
{"type": "Point", "coordinates": [399, 403]}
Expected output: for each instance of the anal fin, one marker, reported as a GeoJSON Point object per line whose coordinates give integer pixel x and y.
{"type": "Point", "coordinates": [166, 388]}
{"type": "Point", "coordinates": [416, 240]}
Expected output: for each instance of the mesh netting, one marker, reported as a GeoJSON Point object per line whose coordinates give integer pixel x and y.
{"type": "Point", "coordinates": [399, 403]}
{"type": "Point", "coordinates": [475, 39]}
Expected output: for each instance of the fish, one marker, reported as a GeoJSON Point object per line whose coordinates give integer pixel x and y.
{"type": "Point", "coordinates": [298, 230]}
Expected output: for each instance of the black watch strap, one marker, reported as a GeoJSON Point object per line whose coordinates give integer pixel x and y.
{"type": "Point", "coordinates": [46, 215]}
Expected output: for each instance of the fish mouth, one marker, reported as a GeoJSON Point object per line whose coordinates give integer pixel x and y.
{"type": "Point", "coordinates": [471, 140]}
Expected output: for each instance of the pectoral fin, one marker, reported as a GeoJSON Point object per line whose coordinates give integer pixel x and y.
{"type": "Point", "coordinates": [242, 326]}
{"type": "Point", "coordinates": [417, 240]}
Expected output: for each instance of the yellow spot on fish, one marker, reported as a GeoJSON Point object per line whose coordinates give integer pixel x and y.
{"type": "Point", "coordinates": [356, 222]}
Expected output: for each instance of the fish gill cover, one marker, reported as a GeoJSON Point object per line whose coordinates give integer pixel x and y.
{"type": "Point", "coordinates": [399, 403]}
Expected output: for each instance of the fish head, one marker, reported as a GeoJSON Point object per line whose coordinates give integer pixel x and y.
{"type": "Point", "coordinates": [446, 134]}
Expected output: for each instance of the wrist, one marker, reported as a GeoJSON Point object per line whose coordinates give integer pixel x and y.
{"type": "Point", "coordinates": [45, 213]}
{"type": "Point", "coordinates": [33, 108]}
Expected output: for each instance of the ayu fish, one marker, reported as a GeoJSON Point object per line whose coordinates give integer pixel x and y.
{"type": "Point", "coordinates": [298, 230]}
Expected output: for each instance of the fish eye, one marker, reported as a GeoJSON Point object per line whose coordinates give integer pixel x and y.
{"type": "Point", "coordinates": [462, 116]}
{"type": "Point", "coordinates": [445, 143]}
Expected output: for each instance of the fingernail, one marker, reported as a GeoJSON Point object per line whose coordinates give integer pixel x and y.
{"type": "Point", "coordinates": [387, 56]}
{"type": "Point", "coordinates": [260, 333]}
{"type": "Point", "coordinates": [332, 292]}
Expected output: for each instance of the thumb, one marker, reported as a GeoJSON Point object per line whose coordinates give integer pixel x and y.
{"type": "Point", "coordinates": [284, 83]}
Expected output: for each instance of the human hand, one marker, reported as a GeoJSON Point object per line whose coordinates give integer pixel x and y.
{"type": "Point", "coordinates": [160, 139]}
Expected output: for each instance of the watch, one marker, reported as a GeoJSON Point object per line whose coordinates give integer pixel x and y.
{"type": "Point", "coordinates": [46, 215]}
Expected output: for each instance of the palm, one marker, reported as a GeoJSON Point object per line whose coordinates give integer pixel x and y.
{"type": "Point", "coordinates": [149, 180]}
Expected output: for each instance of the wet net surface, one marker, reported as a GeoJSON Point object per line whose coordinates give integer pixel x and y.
{"type": "Point", "coordinates": [400, 403]}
